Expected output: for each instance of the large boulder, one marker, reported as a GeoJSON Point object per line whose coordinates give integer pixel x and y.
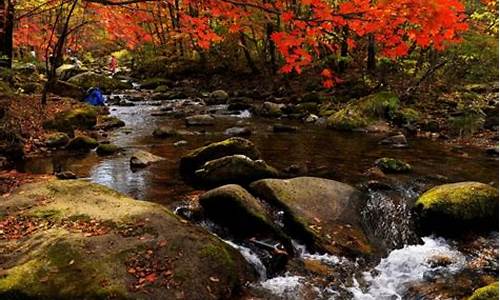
{"type": "Point", "coordinates": [195, 159]}
{"type": "Point", "coordinates": [66, 89]}
{"type": "Point", "coordinates": [234, 169]}
{"type": "Point", "coordinates": [109, 122]}
{"type": "Point", "coordinates": [449, 208]}
{"type": "Point", "coordinates": [80, 118]}
{"type": "Point", "coordinates": [66, 71]}
{"type": "Point", "coordinates": [234, 207]}
{"type": "Point", "coordinates": [322, 213]}
{"type": "Point", "coordinates": [85, 241]}
{"type": "Point", "coordinates": [107, 149]}
{"type": "Point", "coordinates": [89, 79]}
{"type": "Point", "coordinates": [362, 112]}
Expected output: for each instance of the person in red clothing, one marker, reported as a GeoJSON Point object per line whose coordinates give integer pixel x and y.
{"type": "Point", "coordinates": [113, 64]}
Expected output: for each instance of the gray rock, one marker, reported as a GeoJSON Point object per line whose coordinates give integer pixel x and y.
{"type": "Point", "coordinates": [141, 159]}
{"type": "Point", "coordinates": [200, 120]}
{"type": "Point", "coordinates": [238, 131]}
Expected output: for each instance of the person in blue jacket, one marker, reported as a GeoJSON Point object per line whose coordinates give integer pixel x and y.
{"type": "Point", "coordinates": [95, 97]}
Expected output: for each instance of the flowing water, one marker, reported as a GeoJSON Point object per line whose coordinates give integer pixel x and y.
{"type": "Point", "coordinates": [316, 152]}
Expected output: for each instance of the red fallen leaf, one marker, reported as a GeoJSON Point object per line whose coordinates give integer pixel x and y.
{"type": "Point", "coordinates": [151, 278]}
{"type": "Point", "coordinates": [131, 271]}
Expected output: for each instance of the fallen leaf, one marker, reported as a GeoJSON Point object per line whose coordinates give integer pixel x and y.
{"type": "Point", "coordinates": [151, 278]}
{"type": "Point", "coordinates": [214, 279]}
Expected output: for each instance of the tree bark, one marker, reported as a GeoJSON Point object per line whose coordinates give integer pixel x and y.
{"type": "Point", "coordinates": [371, 53]}
{"type": "Point", "coordinates": [6, 32]}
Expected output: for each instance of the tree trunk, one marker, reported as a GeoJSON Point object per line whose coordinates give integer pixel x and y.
{"type": "Point", "coordinates": [248, 56]}
{"type": "Point", "coordinates": [6, 31]}
{"type": "Point", "coordinates": [344, 49]}
{"type": "Point", "coordinates": [371, 53]}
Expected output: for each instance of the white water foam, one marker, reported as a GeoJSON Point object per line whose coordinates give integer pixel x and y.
{"type": "Point", "coordinates": [404, 266]}
{"type": "Point", "coordinates": [252, 258]}
{"type": "Point", "coordinates": [284, 287]}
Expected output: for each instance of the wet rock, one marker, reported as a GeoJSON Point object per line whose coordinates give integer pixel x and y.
{"type": "Point", "coordinates": [392, 165]}
{"type": "Point", "coordinates": [235, 208]}
{"type": "Point", "coordinates": [65, 175]}
{"type": "Point", "coordinates": [489, 292]}
{"type": "Point", "coordinates": [200, 120]}
{"type": "Point", "coordinates": [142, 159]}
{"type": "Point", "coordinates": [82, 143]}
{"type": "Point", "coordinates": [239, 104]}
{"type": "Point", "coordinates": [125, 103]}
{"type": "Point", "coordinates": [162, 89]}
{"type": "Point", "coordinates": [79, 118]}
{"type": "Point", "coordinates": [449, 208]}
{"type": "Point", "coordinates": [311, 118]}
{"type": "Point", "coordinates": [170, 95]}
{"type": "Point", "coordinates": [195, 159]}
{"type": "Point", "coordinates": [271, 109]}
{"type": "Point", "coordinates": [88, 80]}
{"type": "Point", "coordinates": [218, 97]}
{"type": "Point", "coordinates": [107, 149]}
{"type": "Point", "coordinates": [234, 169]}
{"type": "Point", "coordinates": [284, 128]}
{"type": "Point", "coordinates": [57, 139]}
{"type": "Point", "coordinates": [165, 132]}
{"type": "Point", "coordinates": [395, 141]}
{"type": "Point", "coordinates": [110, 122]}
{"type": "Point", "coordinates": [180, 143]}
{"type": "Point", "coordinates": [322, 213]}
{"type": "Point", "coordinates": [140, 250]}
{"type": "Point", "coordinates": [238, 131]}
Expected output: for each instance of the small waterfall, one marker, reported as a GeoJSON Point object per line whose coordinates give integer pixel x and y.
{"type": "Point", "coordinates": [389, 278]}
{"type": "Point", "coordinates": [388, 215]}
{"type": "Point", "coordinates": [252, 258]}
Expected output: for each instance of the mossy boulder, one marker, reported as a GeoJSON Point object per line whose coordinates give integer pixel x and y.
{"type": "Point", "coordinates": [489, 292]}
{"type": "Point", "coordinates": [234, 169]}
{"type": "Point", "coordinates": [107, 149]}
{"type": "Point", "coordinates": [195, 159]}
{"type": "Point", "coordinates": [449, 208]}
{"type": "Point", "coordinates": [235, 208]}
{"type": "Point", "coordinates": [322, 213]}
{"type": "Point", "coordinates": [66, 89]}
{"type": "Point", "coordinates": [79, 118]}
{"type": "Point", "coordinates": [362, 112]}
{"type": "Point", "coordinates": [66, 71]}
{"type": "Point", "coordinates": [109, 122]}
{"type": "Point", "coordinates": [392, 165]}
{"type": "Point", "coordinates": [94, 243]}
{"type": "Point", "coordinates": [57, 139]}
{"type": "Point", "coordinates": [82, 143]}
{"type": "Point", "coordinates": [89, 79]}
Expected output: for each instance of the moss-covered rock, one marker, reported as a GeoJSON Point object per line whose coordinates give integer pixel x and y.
{"type": "Point", "coordinates": [362, 112]}
{"type": "Point", "coordinates": [464, 205]}
{"type": "Point", "coordinates": [57, 139]}
{"type": "Point", "coordinates": [79, 118]}
{"type": "Point", "coordinates": [98, 244]}
{"type": "Point", "coordinates": [107, 149]}
{"type": "Point", "coordinates": [322, 213]}
{"type": "Point", "coordinates": [392, 165]}
{"type": "Point", "coordinates": [195, 159]}
{"type": "Point", "coordinates": [66, 71]}
{"type": "Point", "coordinates": [109, 122]}
{"type": "Point", "coordinates": [82, 143]}
{"type": "Point", "coordinates": [234, 207]}
{"type": "Point", "coordinates": [489, 292]}
{"type": "Point", "coordinates": [234, 169]}
{"type": "Point", "coordinates": [89, 79]}
{"type": "Point", "coordinates": [66, 89]}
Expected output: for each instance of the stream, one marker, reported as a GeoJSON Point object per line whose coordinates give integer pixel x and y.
{"type": "Point", "coordinates": [430, 268]}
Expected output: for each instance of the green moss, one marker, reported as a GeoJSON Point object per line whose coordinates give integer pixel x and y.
{"type": "Point", "coordinates": [220, 254]}
{"type": "Point", "coordinates": [47, 214]}
{"type": "Point", "coordinates": [88, 80]}
{"type": "Point", "coordinates": [407, 115]}
{"type": "Point", "coordinates": [392, 165]}
{"type": "Point", "coordinates": [464, 201]}
{"type": "Point", "coordinates": [107, 149]}
{"type": "Point", "coordinates": [489, 292]}
{"type": "Point", "coordinates": [57, 139]}
{"type": "Point", "coordinates": [360, 113]}
{"type": "Point", "coordinates": [80, 118]}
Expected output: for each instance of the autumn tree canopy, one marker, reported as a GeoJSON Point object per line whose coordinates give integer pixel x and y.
{"type": "Point", "coordinates": [291, 35]}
